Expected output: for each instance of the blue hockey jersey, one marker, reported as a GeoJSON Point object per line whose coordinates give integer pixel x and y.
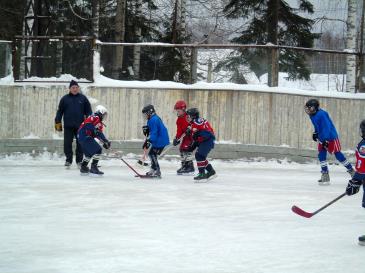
{"type": "Point", "coordinates": [159, 136]}
{"type": "Point", "coordinates": [324, 126]}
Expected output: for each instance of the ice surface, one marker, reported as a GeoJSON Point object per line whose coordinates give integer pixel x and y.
{"type": "Point", "coordinates": [54, 220]}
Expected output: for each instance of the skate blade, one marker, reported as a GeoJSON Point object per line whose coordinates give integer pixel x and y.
{"type": "Point", "coordinates": [205, 180]}
{"type": "Point", "coordinates": [212, 177]}
{"type": "Point", "coordinates": [201, 181]}
{"type": "Point", "coordinates": [362, 243]}
{"type": "Point", "coordinates": [148, 177]}
{"type": "Point", "coordinates": [324, 183]}
{"type": "Point", "coordinates": [95, 175]}
{"type": "Point", "coordinates": [84, 174]}
{"type": "Point", "coordinates": [68, 167]}
{"type": "Point", "coordinates": [186, 174]}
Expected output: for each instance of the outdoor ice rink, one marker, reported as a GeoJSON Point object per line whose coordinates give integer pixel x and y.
{"type": "Point", "coordinates": [53, 220]}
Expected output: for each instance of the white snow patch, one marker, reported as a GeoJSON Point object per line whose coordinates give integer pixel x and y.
{"type": "Point", "coordinates": [7, 80]}
{"type": "Point", "coordinates": [57, 136]}
{"type": "Point", "coordinates": [31, 136]}
{"type": "Point", "coordinates": [92, 100]}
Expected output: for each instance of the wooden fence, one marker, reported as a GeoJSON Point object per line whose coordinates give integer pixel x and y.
{"type": "Point", "coordinates": [247, 117]}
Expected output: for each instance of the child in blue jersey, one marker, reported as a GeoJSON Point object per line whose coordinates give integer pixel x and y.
{"type": "Point", "coordinates": [326, 135]}
{"type": "Point", "coordinates": [157, 138]}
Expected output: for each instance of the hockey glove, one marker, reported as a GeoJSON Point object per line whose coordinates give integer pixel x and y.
{"type": "Point", "coordinates": [58, 126]}
{"type": "Point", "coordinates": [146, 130]}
{"type": "Point", "coordinates": [353, 187]}
{"type": "Point", "coordinates": [107, 144]}
{"type": "Point", "coordinates": [175, 142]}
{"type": "Point", "coordinates": [146, 144]}
{"type": "Point", "coordinates": [315, 136]}
{"type": "Point", "coordinates": [325, 144]}
{"type": "Point", "coordinates": [192, 146]}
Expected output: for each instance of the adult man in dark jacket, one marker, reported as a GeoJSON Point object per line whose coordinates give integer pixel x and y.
{"type": "Point", "coordinates": [74, 108]}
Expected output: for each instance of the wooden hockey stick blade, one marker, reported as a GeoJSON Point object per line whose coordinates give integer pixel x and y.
{"type": "Point", "coordinates": [305, 214]}
{"type": "Point", "coordinates": [301, 212]}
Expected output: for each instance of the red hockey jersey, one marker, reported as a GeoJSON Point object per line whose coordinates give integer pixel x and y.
{"type": "Point", "coordinates": [181, 125]}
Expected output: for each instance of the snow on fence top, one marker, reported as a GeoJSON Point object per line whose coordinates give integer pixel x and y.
{"type": "Point", "coordinates": [102, 81]}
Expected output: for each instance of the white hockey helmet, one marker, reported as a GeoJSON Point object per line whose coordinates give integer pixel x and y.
{"type": "Point", "coordinates": [101, 111]}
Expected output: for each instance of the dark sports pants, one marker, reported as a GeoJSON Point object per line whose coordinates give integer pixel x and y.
{"type": "Point", "coordinates": [69, 134]}
{"type": "Point", "coordinates": [153, 154]}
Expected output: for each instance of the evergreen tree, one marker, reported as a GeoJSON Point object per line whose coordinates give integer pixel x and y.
{"type": "Point", "coordinates": [291, 29]}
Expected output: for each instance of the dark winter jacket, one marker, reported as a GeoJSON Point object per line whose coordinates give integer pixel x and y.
{"type": "Point", "coordinates": [74, 109]}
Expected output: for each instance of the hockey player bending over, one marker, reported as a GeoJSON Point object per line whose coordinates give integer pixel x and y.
{"type": "Point", "coordinates": [326, 135]}
{"type": "Point", "coordinates": [182, 127]}
{"type": "Point", "coordinates": [203, 136]}
{"type": "Point", "coordinates": [92, 128]}
{"type": "Point", "coordinates": [157, 139]}
{"type": "Point", "coordinates": [358, 179]}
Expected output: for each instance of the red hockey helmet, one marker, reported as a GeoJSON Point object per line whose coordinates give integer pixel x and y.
{"type": "Point", "coordinates": [180, 105]}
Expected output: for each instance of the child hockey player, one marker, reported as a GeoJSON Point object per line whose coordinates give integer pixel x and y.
{"type": "Point", "coordinates": [92, 128]}
{"type": "Point", "coordinates": [358, 179]}
{"type": "Point", "coordinates": [203, 136]}
{"type": "Point", "coordinates": [157, 138]}
{"type": "Point", "coordinates": [326, 135]}
{"type": "Point", "coordinates": [182, 127]}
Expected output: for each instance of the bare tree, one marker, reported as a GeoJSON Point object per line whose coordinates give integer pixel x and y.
{"type": "Point", "coordinates": [351, 45]}
{"type": "Point", "coordinates": [137, 49]}
{"type": "Point", "coordinates": [119, 37]}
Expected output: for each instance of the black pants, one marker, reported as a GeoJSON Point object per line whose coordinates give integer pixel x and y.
{"type": "Point", "coordinates": [69, 134]}
{"type": "Point", "coordinates": [153, 153]}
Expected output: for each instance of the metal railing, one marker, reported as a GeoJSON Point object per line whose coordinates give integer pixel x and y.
{"type": "Point", "coordinates": [187, 63]}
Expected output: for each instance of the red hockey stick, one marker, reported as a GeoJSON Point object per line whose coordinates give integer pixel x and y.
{"type": "Point", "coordinates": [137, 174]}
{"type": "Point", "coordinates": [305, 214]}
{"type": "Point", "coordinates": [130, 167]}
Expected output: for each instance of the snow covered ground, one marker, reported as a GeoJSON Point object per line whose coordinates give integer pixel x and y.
{"type": "Point", "coordinates": [54, 220]}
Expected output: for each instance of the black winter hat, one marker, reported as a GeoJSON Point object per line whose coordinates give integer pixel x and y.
{"type": "Point", "coordinates": [72, 82]}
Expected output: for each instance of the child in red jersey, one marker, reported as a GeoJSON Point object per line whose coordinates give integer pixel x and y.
{"type": "Point", "coordinates": [203, 136]}
{"type": "Point", "coordinates": [358, 179]}
{"type": "Point", "coordinates": [92, 128]}
{"type": "Point", "coordinates": [183, 131]}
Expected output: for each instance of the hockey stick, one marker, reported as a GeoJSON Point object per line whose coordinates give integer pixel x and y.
{"type": "Point", "coordinates": [137, 173]}
{"type": "Point", "coordinates": [130, 167]}
{"type": "Point", "coordinates": [170, 146]}
{"type": "Point", "coordinates": [167, 148]}
{"type": "Point", "coordinates": [305, 214]}
{"type": "Point", "coordinates": [143, 159]}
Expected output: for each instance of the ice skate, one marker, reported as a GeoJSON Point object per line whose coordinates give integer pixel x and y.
{"type": "Point", "coordinates": [94, 171]}
{"type": "Point", "coordinates": [211, 175]}
{"type": "Point", "coordinates": [68, 165]}
{"type": "Point", "coordinates": [84, 170]}
{"type": "Point", "coordinates": [325, 180]}
{"type": "Point", "coordinates": [187, 169]}
{"type": "Point", "coordinates": [153, 174]}
{"type": "Point", "coordinates": [362, 240]}
{"type": "Point", "coordinates": [181, 168]}
{"type": "Point", "coordinates": [201, 178]}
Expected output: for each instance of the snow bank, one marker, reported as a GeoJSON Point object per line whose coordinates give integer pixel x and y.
{"type": "Point", "coordinates": [102, 81]}
{"type": "Point", "coordinates": [317, 82]}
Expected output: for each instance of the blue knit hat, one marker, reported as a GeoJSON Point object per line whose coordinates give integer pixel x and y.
{"type": "Point", "coordinates": [72, 82]}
